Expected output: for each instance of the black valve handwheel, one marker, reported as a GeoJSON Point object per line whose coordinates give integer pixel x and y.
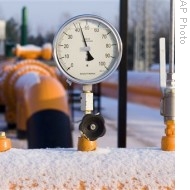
{"type": "Point", "coordinates": [92, 126]}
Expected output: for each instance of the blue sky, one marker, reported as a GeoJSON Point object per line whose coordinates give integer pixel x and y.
{"type": "Point", "coordinates": [49, 15]}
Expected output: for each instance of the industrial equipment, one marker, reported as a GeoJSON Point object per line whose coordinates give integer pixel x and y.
{"type": "Point", "coordinates": [87, 50]}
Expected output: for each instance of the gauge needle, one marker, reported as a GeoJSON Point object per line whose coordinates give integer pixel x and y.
{"type": "Point", "coordinates": [89, 56]}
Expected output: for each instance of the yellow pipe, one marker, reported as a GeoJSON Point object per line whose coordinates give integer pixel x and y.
{"type": "Point", "coordinates": [47, 114]}
{"type": "Point", "coordinates": [33, 94]}
{"type": "Point", "coordinates": [10, 78]}
{"type": "Point", "coordinates": [4, 68]}
{"type": "Point", "coordinates": [5, 143]}
{"type": "Point", "coordinates": [47, 94]}
{"type": "Point", "coordinates": [33, 52]}
{"type": "Point", "coordinates": [168, 141]}
{"type": "Point", "coordinates": [86, 145]}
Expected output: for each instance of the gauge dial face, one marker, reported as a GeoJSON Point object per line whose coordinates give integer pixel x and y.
{"type": "Point", "coordinates": [87, 49]}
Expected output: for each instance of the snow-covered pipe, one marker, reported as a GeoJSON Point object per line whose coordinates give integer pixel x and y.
{"type": "Point", "coordinates": [31, 51]}
{"type": "Point", "coordinates": [21, 87]}
{"type": "Point", "coordinates": [32, 95]}
{"type": "Point", "coordinates": [48, 123]}
{"type": "Point", "coordinates": [9, 79]}
{"type": "Point", "coordinates": [103, 169]}
{"type": "Point", "coordinates": [4, 68]}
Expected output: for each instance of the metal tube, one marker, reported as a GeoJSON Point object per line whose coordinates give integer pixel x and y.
{"type": "Point", "coordinates": [172, 36]}
{"type": "Point", "coordinates": [24, 27]}
{"type": "Point", "coordinates": [162, 63]}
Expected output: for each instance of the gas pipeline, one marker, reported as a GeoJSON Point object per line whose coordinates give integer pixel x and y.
{"type": "Point", "coordinates": [35, 100]}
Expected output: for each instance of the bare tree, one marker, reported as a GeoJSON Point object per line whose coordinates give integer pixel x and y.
{"type": "Point", "coordinates": [12, 31]}
{"type": "Point", "coordinates": [148, 23]}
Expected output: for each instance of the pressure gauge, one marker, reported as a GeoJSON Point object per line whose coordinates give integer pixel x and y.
{"type": "Point", "coordinates": [87, 49]}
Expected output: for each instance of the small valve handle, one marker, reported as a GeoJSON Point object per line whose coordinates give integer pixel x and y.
{"type": "Point", "coordinates": [92, 126]}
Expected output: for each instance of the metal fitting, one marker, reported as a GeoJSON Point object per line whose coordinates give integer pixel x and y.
{"type": "Point", "coordinates": [5, 143]}
{"type": "Point", "coordinates": [167, 105]}
{"type": "Point", "coordinates": [87, 99]}
{"type": "Point", "coordinates": [170, 80]}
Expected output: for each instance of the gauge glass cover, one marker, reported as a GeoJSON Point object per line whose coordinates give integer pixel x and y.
{"type": "Point", "coordinates": [87, 49]}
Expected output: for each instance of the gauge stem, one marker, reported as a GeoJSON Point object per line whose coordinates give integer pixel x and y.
{"type": "Point", "coordinates": [87, 99]}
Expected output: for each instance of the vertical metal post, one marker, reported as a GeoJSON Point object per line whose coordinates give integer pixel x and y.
{"type": "Point", "coordinates": [122, 100]}
{"type": "Point", "coordinates": [98, 96]}
{"type": "Point", "coordinates": [172, 36]}
{"type": "Point", "coordinates": [24, 27]}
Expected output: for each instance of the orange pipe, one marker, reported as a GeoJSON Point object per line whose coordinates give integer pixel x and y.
{"type": "Point", "coordinates": [41, 93]}
{"type": "Point", "coordinates": [168, 141]}
{"type": "Point", "coordinates": [47, 94]}
{"type": "Point", "coordinates": [47, 112]}
{"type": "Point", "coordinates": [10, 78]}
{"type": "Point", "coordinates": [86, 145]}
{"type": "Point", "coordinates": [30, 91]}
{"type": "Point", "coordinates": [33, 52]}
{"type": "Point", "coordinates": [5, 143]}
{"type": "Point", "coordinates": [22, 84]}
{"type": "Point", "coordinates": [4, 68]}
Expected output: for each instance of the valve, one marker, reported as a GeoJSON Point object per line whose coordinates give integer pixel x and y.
{"type": "Point", "coordinates": [167, 104]}
{"type": "Point", "coordinates": [168, 141]}
{"type": "Point", "coordinates": [167, 83]}
{"type": "Point", "coordinates": [92, 126]}
{"type": "Point", "coordinates": [5, 143]}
